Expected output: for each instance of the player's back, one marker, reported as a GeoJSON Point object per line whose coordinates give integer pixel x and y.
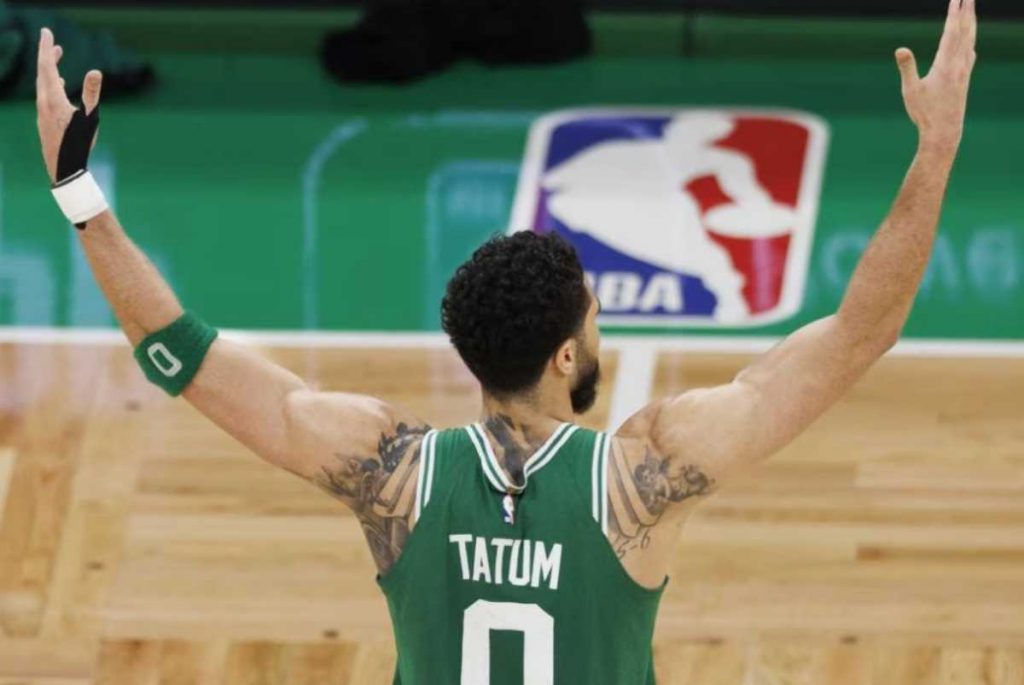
{"type": "Point", "coordinates": [533, 594]}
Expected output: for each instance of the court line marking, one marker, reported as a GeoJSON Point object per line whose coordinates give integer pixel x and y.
{"type": "Point", "coordinates": [6, 472]}
{"type": "Point", "coordinates": [634, 382]}
{"type": "Point", "coordinates": [311, 178]}
{"type": "Point", "coordinates": [637, 361]}
{"type": "Point", "coordinates": [911, 347]}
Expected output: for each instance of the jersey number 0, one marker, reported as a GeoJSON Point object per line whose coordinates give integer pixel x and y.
{"type": "Point", "coordinates": [536, 625]}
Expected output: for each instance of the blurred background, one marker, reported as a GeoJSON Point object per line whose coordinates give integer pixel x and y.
{"type": "Point", "coordinates": [309, 173]}
{"type": "Point", "coordinates": [246, 142]}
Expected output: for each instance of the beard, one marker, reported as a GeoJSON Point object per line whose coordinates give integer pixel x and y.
{"type": "Point", "coordinates": [584, 394]}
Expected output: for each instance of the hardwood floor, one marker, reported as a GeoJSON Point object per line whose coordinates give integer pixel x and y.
{"type": "Point", "coordinates": [138, 544]}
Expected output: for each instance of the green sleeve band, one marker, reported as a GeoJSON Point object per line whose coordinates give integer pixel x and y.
{"type": "Point", "coordinates": [171, 357]}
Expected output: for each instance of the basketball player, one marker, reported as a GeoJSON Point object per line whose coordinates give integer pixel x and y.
{"type": "Point", "coordinates": [522, 548]}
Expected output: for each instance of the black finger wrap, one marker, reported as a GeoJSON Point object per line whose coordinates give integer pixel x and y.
{"type": "Point", "coordinates": [73, 156]}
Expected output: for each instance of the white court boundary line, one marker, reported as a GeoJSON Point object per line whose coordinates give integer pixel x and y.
{"type": "Point", "coordinates": [435, 340]}
{"type": "Point", "coordinates": [6, 473]}
{"type": "Point", "coordinates": [637, 361]}
{"type": "Point", "coordinates": [634, 382]}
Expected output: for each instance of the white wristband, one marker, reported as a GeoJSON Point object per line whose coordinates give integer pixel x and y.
{"type": "Point", "coordinates": [80, 198]}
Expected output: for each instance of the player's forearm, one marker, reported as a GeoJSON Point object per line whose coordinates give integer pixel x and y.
{"type": "Point", "coordinates": [138, 294]}
{"type": "Point", "coordinates": [881, 293]}
{"type": "Point", "coordinates": [233, 384]}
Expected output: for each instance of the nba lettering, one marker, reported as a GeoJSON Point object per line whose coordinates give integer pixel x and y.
{"type": "Point", "coordinates": [696, 217]}
{"type": "Point", "coordinates": [492, 565]}
{"type": "Point", "coordinates": [622, 291]}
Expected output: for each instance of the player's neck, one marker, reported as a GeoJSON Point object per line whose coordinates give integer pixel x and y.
{"type": "Point", "coordinates": [544, 407]}
{"type": "Point", "coordinates": [517, 430]}
{"type": "Point", "coordinates": [528, 422]}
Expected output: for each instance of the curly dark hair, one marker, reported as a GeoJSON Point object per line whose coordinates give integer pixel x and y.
{"type": "Point", "coordinates": [511, 305]}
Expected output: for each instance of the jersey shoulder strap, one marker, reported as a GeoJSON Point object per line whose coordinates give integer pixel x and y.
{"type": "Point", "coordinates": [589, 464]}
{"type": "Point", "coordinates": [599, 479]}
{"type": "Point", "coordinates": [438, 465]}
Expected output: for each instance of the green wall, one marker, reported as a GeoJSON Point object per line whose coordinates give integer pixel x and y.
{"type": "Point", "coordinates": [272, 198]}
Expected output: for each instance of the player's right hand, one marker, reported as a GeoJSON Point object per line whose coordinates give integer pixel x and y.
{"type": "Point", "coordinates": [54, 110]}
{"type": "Point", "coordinates": [937, 103]}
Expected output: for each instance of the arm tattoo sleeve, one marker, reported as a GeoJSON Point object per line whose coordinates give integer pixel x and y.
{"type": "Point", "coordinates": [380, 489]}
{"type": "Point", "coordinates": [641, 491]}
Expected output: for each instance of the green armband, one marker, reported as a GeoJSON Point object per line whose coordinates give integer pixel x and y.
{"type": "Point", "coordinates": [171, 357]}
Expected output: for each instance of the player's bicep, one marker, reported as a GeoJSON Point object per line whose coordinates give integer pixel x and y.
{"type": "Point", "coordinates": [787, 389]}
{"type": "Point", "coordinates": [245, 394]}
{"type": "Point", "coordinates": [366, 454]}
{"type": "Point", "coordinates": [645, 489]}
{"type": "Point", "coordinates": [329, 433]}
{"type": "Point", "coordinates": [339, 441]}
{"type": "Point", "coordinates": [768, 404]}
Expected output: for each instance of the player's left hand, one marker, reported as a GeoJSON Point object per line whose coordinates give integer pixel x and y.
{"type": "Point", "coordinates": [54, 110]}
{"type": "Point", "coordinates": [937, 103]}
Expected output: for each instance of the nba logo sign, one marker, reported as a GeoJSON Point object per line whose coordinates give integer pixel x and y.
{"type": "Point", "coordinates": [697, 217]}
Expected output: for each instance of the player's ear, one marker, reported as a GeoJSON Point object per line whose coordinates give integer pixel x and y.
{"type": "Point", "coordinates": [566, 356]}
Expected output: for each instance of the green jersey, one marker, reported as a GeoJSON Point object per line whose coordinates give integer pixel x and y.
{"type": "Point", "coordinates": [494, 588]}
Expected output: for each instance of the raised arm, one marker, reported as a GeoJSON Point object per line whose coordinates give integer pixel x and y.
{"type": "Point", "coordinates": [721, 429]}
{"type": "Point", "coordinates": [358, 449]}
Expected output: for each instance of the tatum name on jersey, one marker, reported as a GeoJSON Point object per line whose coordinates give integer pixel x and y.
{"type": "Point", "coordinates": [504, 583]}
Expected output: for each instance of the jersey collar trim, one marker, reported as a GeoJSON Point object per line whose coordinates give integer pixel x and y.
{"type": "Point", "coordinates": [497, 477]}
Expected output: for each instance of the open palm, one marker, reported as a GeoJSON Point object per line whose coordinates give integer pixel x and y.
{"type": "Point", "coordinates": [54, 110]}
{"type": "Point", "coordinates": [937, 103]}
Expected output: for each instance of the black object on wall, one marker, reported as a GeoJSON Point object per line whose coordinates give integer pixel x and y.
{"type": "Point", "coordinates": [399, 41]}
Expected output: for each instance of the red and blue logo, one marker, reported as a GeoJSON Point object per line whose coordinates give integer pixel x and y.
{"type": "Point", "coordinates": [694, 217]}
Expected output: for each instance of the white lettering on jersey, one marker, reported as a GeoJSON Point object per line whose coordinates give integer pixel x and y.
{"type": "Point", "coordinates": [500, 545]}
{"type": "Point", "coordinates": [527, 563]}
{"type": "Point", "coordinates": [546, 567]}
{"type": "Point", "coordinates": [462, 541]}
{"type": "Point", "coordinates": [481, 568]}
{"type": "Point", "coordinates": [519, 574]}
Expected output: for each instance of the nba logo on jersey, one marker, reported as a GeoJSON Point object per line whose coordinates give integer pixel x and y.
{"type": "Point", "coordinates": [681, 217]}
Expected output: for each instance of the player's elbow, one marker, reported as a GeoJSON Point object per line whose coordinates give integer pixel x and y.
{"type": "Point", "coordinates": [298, 420]}
{"type": "Point", "coordinates": [870, 342]}
{"type": "Point", "coordinates": [879, 343]}
{"type": "Point", "coordinates": [888, 338]}
{"type": "Point", "coordinates": [884, 335]}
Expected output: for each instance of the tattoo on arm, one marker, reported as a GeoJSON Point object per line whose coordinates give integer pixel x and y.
{"type": "Point", "coordinates": [642, 491]}
{"type": "Point", "coordinates": [380, 489]}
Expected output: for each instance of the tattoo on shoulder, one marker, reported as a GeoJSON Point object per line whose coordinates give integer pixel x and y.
{"type": "Point", "coordinates": [380, 488]}
{"type": "Point", "coordinates": [642, 490]}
